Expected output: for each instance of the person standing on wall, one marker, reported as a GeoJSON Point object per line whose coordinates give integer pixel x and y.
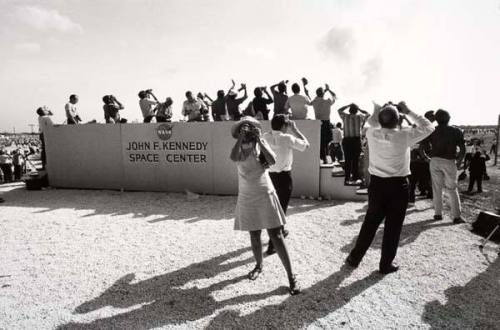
{"type": "Point", "coordinates": [388, 191]}
{"type": "Point", "coordinates": [233, 103]}
{"type": "Point", "coordinates": [280, 97]}
{"type": "Point", "coordinates": [258, 205]}
{"type": "Point", "coordinates": [322, 111]}
{"type": "Point", "coordinates": [219, 109]}
{"type": "Point", "coordinates": [192, 108]}
{"type": "Point", "coordinates": [72, 116]}
{"type": "Point", "coordinates": [44, 121]}
{"type": "Point", "coordinates": [444, 163]}
{"type": "Point", "coordinates": [147, 103]}
{"type": "Point", "coordinates": [259, 103]}
{"type": "Point", "coordinates": [335, 147]}
{"type": "Point", "coordinates": [351, 143]}
{"type": "Point", "coordinates": [298, 103]}
{"type": "Point", "coordinates": [282, 144]}
{"type": "Point", "coordinates": [164, 111]}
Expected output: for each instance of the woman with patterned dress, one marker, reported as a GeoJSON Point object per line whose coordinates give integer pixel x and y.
{"type": "Point", "coordinates": [258, 206]}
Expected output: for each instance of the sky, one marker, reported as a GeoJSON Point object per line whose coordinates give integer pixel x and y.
{"type": "Point", "coordinates": [432, 54]}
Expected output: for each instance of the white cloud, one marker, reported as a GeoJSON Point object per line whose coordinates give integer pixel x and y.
{"type": "Point", "coordinates": [28, 47]}
{"type": "Point", "coordinates": [339, 42]}
{"type": "Point", "coordinates": [46, 19]}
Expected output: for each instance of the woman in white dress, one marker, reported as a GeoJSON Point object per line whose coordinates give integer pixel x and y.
{"type": "Point", "coordinates": [258, 205]}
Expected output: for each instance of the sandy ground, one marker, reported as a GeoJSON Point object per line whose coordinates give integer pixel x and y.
{"type": "Point", "coordinates": [76, 259]}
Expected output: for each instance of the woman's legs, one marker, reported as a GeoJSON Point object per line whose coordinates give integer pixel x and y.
{"type": "Point", "coordinates": [279, 244]}
{"type": "Point", "coordinates": [256, 247]}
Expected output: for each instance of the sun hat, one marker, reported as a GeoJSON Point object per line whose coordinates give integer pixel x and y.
{"type": "Point", "coordinates": [235, 130]}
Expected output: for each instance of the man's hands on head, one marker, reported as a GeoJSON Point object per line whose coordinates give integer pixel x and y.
{"type": "Point", "coordinates": [403, 108]}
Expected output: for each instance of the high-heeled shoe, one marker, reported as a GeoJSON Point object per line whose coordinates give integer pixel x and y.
{"type": "Point", "coordinates": [294, 286]}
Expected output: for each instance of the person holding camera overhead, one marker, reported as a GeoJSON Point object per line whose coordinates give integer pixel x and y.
{"type": "Point", "coordinates": [322, 110]}
{"type": "Point", "coordinates": [148, 103]}
{"type": "Point", "coordinates": [280, 97]}
{"type": "Point", "coordinates": [388, 190]}
{"type": "Point", "coordinates": [298, 103]}
{"type": "Point", "coordinates": [233, 103]}
{"type": "Point", "coordinates": [258, 206]}
{"type": "Point", "coordinates": [259, 103]}
{"type": "Point", "coordinates": [112, 109]}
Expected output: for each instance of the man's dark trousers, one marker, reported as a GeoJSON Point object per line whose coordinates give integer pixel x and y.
{"type": "Point", "coordinates": [352, 151]}
{"type": "Point", "coordinates": [387, 198]}
{"type": "Point", "coordinates": [282, 182]}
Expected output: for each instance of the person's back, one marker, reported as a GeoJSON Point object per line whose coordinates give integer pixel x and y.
{"type": "Point", "coordinates": [444, 141]}
{"type": "Point", "coordinates": [298, 106]}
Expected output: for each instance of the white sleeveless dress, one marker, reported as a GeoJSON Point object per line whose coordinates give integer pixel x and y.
{"type": "Point", "coordinates": [258, 205]}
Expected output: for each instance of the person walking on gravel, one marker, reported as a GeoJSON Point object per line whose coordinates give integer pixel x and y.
{"type": "Point", "coordinates": [258, 206]}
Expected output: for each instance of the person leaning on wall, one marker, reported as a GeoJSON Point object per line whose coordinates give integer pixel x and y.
{"type": "Point", "coordinates": [44, 121]}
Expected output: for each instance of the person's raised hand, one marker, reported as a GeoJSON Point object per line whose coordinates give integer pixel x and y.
{"type": "Point", "coordinates": [403, 108]}
{"type": "Point", "coordinates": [304, 81]}
{"type": "Point", "coordinates": [327, 87]}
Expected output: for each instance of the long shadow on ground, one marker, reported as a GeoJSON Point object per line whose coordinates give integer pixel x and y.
{"type": "Point", "coordinates": [161, 299]}
{"type": "Point", "coordinates": [165, 206]}
{"type": "Point", "coordinates": [476, 305]}
{"type": "Point", "coordinates": [409, 234]}
{"type": "Point", "coordinates": [297, 312]}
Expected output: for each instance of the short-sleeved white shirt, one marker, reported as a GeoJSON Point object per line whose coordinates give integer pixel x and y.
{"type": "Point", "coordinates": [298, 104]}
{"type": "Point", "coordinates": [147, 107]}
{"type": "Point", "coordinates": [283, 144]}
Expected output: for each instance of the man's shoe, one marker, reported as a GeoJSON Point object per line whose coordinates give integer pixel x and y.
{"type": "Point", "coordinates": [351, 262]}
{"type": "Point", "coordinates": [438, 217]}
{"type": "Point", "coordinates": [458, 220]}
{"type": "Point", "coordinates": [390, 269]}
{"type": "Point", "coordinates": [270, 250]}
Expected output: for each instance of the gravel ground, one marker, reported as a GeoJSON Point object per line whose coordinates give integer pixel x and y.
{"type": "Point", "coordinates": [80, 259]}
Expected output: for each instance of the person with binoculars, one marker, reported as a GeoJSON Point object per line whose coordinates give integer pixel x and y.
{"type": "Point", "coordinates": [112, 109]}
{"type": "Point", "coordinates": [148, 103]}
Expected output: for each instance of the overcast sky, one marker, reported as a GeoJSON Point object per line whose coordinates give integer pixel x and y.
{"type": "Point", "coordinates": [433, 54]}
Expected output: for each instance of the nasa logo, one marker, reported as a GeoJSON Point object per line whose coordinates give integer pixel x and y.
{"type": "Point", "coordinates": [164, 131]}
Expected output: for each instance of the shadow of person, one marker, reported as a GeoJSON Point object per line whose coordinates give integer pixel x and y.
{"type": "Point", "coordinates": [297, 312]}
{"type": "Point", "coordinates": [409, 234]}
{"type": "Point", "coordinates": [162, 299]}
{"type": "Point", "coordinates": [475, 305]}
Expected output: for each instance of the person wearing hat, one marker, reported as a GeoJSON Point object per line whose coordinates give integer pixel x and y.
{"type": "Point", "coordinates": [258, 206]}
{"type": "Point", "coordinates": [233, 103]}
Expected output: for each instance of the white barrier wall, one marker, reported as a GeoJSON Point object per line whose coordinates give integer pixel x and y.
{"type": "Point", "coordinates": [162, 157]}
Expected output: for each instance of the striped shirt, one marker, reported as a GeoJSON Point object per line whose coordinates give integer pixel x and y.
{"type": "Point", "coordinates": [353, 124]}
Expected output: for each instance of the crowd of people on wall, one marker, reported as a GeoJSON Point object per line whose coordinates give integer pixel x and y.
{"type": "Point", "coordinates": [396, 152]}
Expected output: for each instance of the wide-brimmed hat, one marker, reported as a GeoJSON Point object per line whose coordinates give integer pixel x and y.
{"type": "Point", "coordinates": [235, 130]}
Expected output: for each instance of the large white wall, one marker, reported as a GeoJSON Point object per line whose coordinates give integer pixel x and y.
{"type": "Point", "coordinates": [97, 156]}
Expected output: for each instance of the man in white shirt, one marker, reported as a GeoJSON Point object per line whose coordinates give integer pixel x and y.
{"type": "Point", "coordinates": [388, 191]}
{"type": "Point", "coordinates": [192, 108]}
{"type": "Point", "coordinates": [283, 144]}
{"type": "Point", "coordinates": [297, 103]}
{"type": "Point", "coordinates": [71, 113]}
{"type": "Point", "coordinates": [148, 105]}
{"type": "Point", "coordinates": [44, 121]}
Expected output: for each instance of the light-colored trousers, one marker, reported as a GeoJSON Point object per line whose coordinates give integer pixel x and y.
{"type": "Point", "coordinates": [444, 175]}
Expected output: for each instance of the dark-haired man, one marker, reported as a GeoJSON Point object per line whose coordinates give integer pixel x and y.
{"type": "Point", "coordinates": [298, 103]}
{"type": "Point", "coordinates": [283, 144]}
{"type": "Point", "coordinates": [148, 103]}
{"type": "Point", "coordinates": [260, 103]}
{"type": "Point", "coordinates": [280, 97]}
{"type": "Point", "coordinates": [322, 111]}
{"type": "Point", "coordinates": [444, 163]}
{"type": "Point", "coordinates": [233, 102]}
{"type": "Point", "coordinates": [111, 109]}
{"type": "Point", "coordinates": [351, 143]}
{"type": "Point", "coordinates": [388, 191]}
{"type": "Point", "coordinates": [192, 108]}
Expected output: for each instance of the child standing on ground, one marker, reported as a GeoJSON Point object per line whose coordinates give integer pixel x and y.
{"type": "Point", "coordinates": [477, 170]}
